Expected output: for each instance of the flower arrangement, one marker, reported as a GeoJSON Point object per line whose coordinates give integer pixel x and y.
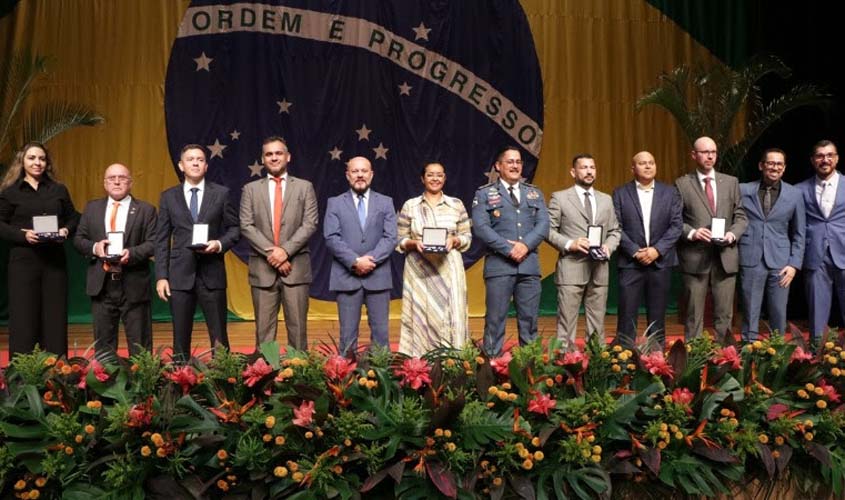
{"type": "Point", "coordinates": [698, 420]}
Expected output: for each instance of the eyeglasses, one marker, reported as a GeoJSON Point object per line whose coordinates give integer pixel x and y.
{"type": "Point", "coordinates": [118, 179]}
{"type": "Point", "coordinates": [512, 162]}
{"type": "Point", "coordinates": [824, 156]}
{"type": "Point", "coordinates": [774, 164]}
{"type": "Point", "coordinates": [707, 152]}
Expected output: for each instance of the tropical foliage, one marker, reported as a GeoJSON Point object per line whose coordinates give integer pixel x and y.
{"type": "Point", "coordinates": [709, 101]}
{"type": "Point", "coordinates": [700, 420]}
{"type": "Point", "coordinates": [20, 74]}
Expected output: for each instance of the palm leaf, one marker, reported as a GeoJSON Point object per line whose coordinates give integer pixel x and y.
{"type": "Point", "coordinates": [51, 119]}
{"type": "Point", "coordinates": [19, 72]}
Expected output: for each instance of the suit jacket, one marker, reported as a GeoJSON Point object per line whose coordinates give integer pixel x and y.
{"type": "Point", "coordinates": [347, 241]}
{"type": "Point", "coordinates": [299, 222]}
{"type": "Point", "coordinates": [495, 220]}
{"type": "Point", "coordinates": [824, 232]}
{"type": "Point", "coordinates": [174, 260]}
{"type": "Point", "coordinates": [138, 238]}
{"type": "Point", "coordinates": [776, 240]}
{"type": "Point", "coordinates": [665, 225]}
{"type": "Point", "coordinates": [696, 256]}
{"type": "Point", "coordinates": [569, 221]}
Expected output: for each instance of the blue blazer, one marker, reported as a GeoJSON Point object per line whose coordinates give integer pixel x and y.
{"type": "Point", "coordinates": [176, 262]}
{"type": "Point", "coordinates": [346, 241]}
{"type": "Point", "coordinates": [665, 225]}
{"type": "Point", "coordinates": [824, 232]}
{"type": "Point", "coordinates": [777, 240]}
{"type": "Point", "coordinates": [495, 220]}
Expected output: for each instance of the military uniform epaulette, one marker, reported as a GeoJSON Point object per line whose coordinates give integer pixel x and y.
{"type": "Point", "coordinates": [489, 184]}
{"type": "Point", "coordinates": [527, 184]}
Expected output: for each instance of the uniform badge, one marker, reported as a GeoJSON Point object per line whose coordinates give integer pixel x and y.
{"type": "Point", "coordinates": [532, 195]}
{"type": "Point", "coordinates": [497, 213]}
{"type": "Point", "coordinates": [475, 201]}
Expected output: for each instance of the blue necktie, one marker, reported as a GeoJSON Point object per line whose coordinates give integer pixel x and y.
{"type": "Point", "coordinates": [195, 211]}
{"type": "Point", "coordinates": [362, 211]}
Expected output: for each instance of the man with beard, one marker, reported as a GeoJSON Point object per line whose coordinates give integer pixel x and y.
{"type": "Point", "coordinates": [707, 262]}
{"type": "Point", "coordinates": [360, 233]}
{"type": "Point", "coordinates": [824, 252]}
{"type": "Point", "coordinates": [511, 218]}
{"type": "Point", "coordinates": [581, 273]}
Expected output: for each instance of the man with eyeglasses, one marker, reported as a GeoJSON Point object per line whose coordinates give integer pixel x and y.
{"type": "Point", "coordinates": [511, 218]}
{"type": "Point", "coordinates": [824, 253]}
{"type": "Point", "coordinates": [278, 215]}
{"type": "Point", "coordinates": [772, 249]}
{"type": "Point", "coordinates": [709, 260]}
{"type": "Point", "coordinates": [118, 282]}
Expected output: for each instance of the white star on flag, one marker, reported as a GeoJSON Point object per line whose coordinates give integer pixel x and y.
{"type": "Point", "coordinates": [255, 169]}
{"type": "Point", "coordinates": [381, 151]}
{"type": "Point", "coordinates": [235, 135]}
{"type": "Point", "coordinates": [421, 32]}
{"type": "Point", "coordinates": [216, 149]}
{"type": "Point", "coordinates": [363, 133]}
{"type": "Point", "coordinates": [335, 153]}
{"type": "Point", "coordinates": [405, 89]}
{"type": "Point", "coordinates": [203, 62]}
{"type": "Point", "coordinates": [284, 106]}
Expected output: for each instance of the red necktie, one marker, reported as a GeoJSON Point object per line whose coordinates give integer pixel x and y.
{"type": "Point", "coordinates": [708, 190]}
{"type": "Point", "coordinates": [112, 227]}
{"type": "Point", "coordinates": [278, 205]}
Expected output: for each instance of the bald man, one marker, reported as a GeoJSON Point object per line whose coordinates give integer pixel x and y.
{"type": "Point", "coordinates": [708, 263]}
{"type": "Point", "coordinates": [119, 286]}
{"type": "Point", "coordinates": [649, 213]}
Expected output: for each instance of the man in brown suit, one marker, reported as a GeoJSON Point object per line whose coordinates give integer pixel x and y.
{"type": "Point", "coordinates": [278, 216]}
{"type": "Point", "coordinates": [705, 261]}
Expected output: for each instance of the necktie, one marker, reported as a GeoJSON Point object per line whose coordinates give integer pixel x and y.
{"type": "Point", "coordinates": [823, 203]}
{"type": "Point", "coordinates": [112, 228]}
{"type": "Point", "coordinates": [194, 206]}
{"type": "Point", "coordinates": [708, 190]}
{"type": "Point", "coordinates": [588, 206]}
{"type": "Point", "coordinates": [362, 211]}
{"type": "Point", "coordinates": [513, 196]}
{"type": "Point", "coordinates": [767, 201]}
{"type": "Point", "coordinates": [278, 204]}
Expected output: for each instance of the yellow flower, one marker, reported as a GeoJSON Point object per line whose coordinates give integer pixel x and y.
{"type": "Point", "coordinates": [280, 472]}
{"type": "Point", "coordinates": [20, 485]}
{"type": "Point", "coordinates": [438, 432]}
{"type": "Point", "coordinates": [623, 356]}
{"type": "Point", "coordinates": [362, 381]}
{"type": "Point", "coordinates": [491, 404]}
{"type": "Point", "coordinates": [771, 351]}
{"type": "Point", "coordinates": [617, 348]}
{"type": "Point", "coordinates": [222, 455]}
{"type": "Point", "coordinates": [631, 366]}
{"type": "Point", "coordinates": [535, 441]}
{"type": "Point", "coordinates": [297, 476]}
{"type": "Point", "coordinates": [371, 384]}
{"type": "Point", "coordinates": [596, 450]}
{"type": "Point", "coordinates": [89, 429]}
{"type": "Point", "coordinates": [832, 360]}
{"type": "Point", "coordinates": [802, 394]}
{"type": "Point", "coordinates": [539, 456]}
{"type": "Point", "coordinates": [447, 433]}
{"type": "Point", "coordinates": [492, 390]}
{"type": "Point", "coordinates": [146, 451]}
{"type": "Point", "coordinates": [512, 397]}
{"type": "Point", "coordinates": [585, 453]}
{"type": "Point", "coordinates": [523, 453]}
{"type": "Point", "coordinates": [287, 373]}
{"type": "Point", "coordinates": [828, 345]}
{"type": "Point", "coordinates": [605, 354]}
{"type": "Point", "coordinates": [821, 404]}
{"type": "Point", "coordinates": [479, 360]}
{"type": "Point", "coordinates": [836, 371]}
{"type": "Point", "coordinates": [33, 494]}
{"type": "Point", "coordinates": [664, 427]}
{"type": "Point", "coordinates": [157, 439]}
{"type": "Point", "coordinates": [763, 438]}
{"type": "Point", "coordinates": [725, 412]}
{"type": "Point", "coordinates": [591, 438]}
{"type": "Point", "coordinates": [842, 354]}
{"type": "Point", "coordinates": [527, 464]}
{"type": "Point", "coordinates": [68, 450]}
{"type": "Point", "coordinates": [819, 391]}
{"type": "Point", "coordinates": [266, 438]}
{"type": "Point", "coordinates": [94, 404]}
{"type": "Point", "coordinates": [50, 361]}
{"type": "Point", "coordinates": [270, 421]}
{"type": "Point", "coordinates": [280, 440]}
{"type": "Point", "coordinates": [161, 453]}
{"type": "Point", "coordinates": [497, 481]}
{"type": "Point", "coordinates": [757, 344]}
{"type": "Point", "coordinates": [597, 458]}
{"type": "Point", "coordinates": [679, 435]}
{"type": "Point", "coordinates": [662, 444]}
{"type": "Point", "coordinates": [223, 485]}
{"type": "Point", "coordinates": [40, 481]}
{"type": "Point", "coordinates": [808, 436]}
{"type": "Point", "coordinates": [779, 440]}
{"type": "Point", "coordinates": [450, 447]}
{"type": "Point", "coordinates": [519, 446]}
{"type": "Point", "coordinates": [506, 386]}
{"type": "Point", "coordinates": [371, 373]}
{"type": "Point", "coordinates": [616, 368]}
{"type": "Point", "coordinates": [309, 435]}
{"type": "Point", "coordinates": [808, 423]}
{"type": "Point", "coordinates": [337, 469]}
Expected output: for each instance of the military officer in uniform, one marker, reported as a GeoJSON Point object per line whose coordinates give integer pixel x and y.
{"type": "Point", "coordinates": [511, 218]}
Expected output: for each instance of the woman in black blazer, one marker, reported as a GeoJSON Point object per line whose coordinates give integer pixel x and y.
{"type": "Point", "coordinates": [37, 269]}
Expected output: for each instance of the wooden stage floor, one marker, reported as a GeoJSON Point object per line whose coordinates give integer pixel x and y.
{"type": "Point", "coordinates": [242, 334]}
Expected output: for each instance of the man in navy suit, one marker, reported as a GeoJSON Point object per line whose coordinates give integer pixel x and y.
{"type": "Point", "coordinates": [772, 248]}
{"type": "Point", "coordinates": [360, 233]}
{"type": "Point", "coordinates": [651, 216]}
{"type": "Point", "coordinates": [824, 252]}
{"type": "Point", "coordinates": [118, 290]}
{"type": "Point", "coordinates": [184, 275]}
{"type": "Point", "coordinates": [511, 218]}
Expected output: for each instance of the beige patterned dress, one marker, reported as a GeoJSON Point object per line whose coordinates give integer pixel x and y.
{"type": "Point", "coordinates": [434, 298]}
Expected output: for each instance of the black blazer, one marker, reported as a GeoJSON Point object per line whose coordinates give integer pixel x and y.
{"type": "Point", "coordinates": [665, 225]}
{"type": "Point", "coordinates": [176, 262]}
{"type": "Point", "coordinates": [139, 239]}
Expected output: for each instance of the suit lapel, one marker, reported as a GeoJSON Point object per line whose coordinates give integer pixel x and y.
{"type": "Point", "coordinates": [631, 189]}
{"type": "Point", "coordinates": [576, 202]}
{"type": "Point", "coordinates": [839, 201]}
{"type": "Point", "coordinates": [100, 210]}
{"type": "Point", "coordinates": [209, 198]}
{"type": "Point", "coordinates": [698, 189]}
{"type": "Point", "coordinates": [755, 200]}
{"type": "Point", "coordinates": [131, 216]}
{"type": "Point", "coordinates": [263, 196]}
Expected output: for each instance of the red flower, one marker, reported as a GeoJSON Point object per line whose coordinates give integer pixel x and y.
{"type": "Point", "coordinates": [304, 414]}
{"type": "Point", "coordinates": [500, 364]}
{"type": "Point", "coordinates": [338, 367]}
{"type": "Point", "coordinates": [542, 404]}
{"type": "Point", "coordinates": [799, 355]}
{"type": "Point", "coordinates": [99, 373]}
{"type": "Point", "coordinates": [141, 415]}
{"type": "Point", "coordinates": [2, 379]}
{"type": "Point", "coordinates": [829, 391]}
{"type": "Point", "coordinates": [414, 372]}
{"type": "Point", "coordinates": [574, 358]}
{"type": "Point", "coordinates": [656, 364]}
{"type": "Point", "coordinates": [256, 372]}
{"type": "Point", "coordinates": [683, 397]}
{"type": "Point", "coordinates": [185, 377]}
{"type": "Point", "coordinates": [728, 356]}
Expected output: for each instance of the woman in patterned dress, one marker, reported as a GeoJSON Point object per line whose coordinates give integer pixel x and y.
{"type": "Point", "coordinates": [434, 299]}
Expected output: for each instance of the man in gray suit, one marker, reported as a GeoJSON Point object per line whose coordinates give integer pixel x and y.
{"type": "Point", "coordinates": [511, 218]}
{"type": "Point", "coordinates": [772, 248]}
{"type": "Point", "coordinates": [360, 233]}
{"type": "Point", "coordinates": [581, 273]}
{"type": "Point", "coordinates": [708, 263]}
{"type": "Point", "coordinates": [119, 290]}
{"type": "Point", "coordinates": [278, 215]}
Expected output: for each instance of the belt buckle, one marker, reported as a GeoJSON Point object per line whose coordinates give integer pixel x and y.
{"type": "Point", "coordinates": [115, 276]}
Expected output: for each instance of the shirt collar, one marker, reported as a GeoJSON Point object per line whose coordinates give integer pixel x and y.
{"type": "Point", "coordinates": [834, 180]}
{"type": "Point", "coordinates": [508, 186]}
{"type": "Point", "coordinates": [125, 201]}
{"type": "Point", "coordinates": [701, 176]}
{"type": "Point", "coordinates": [355, 195]}
{"type": "Point", "coordinates": [284, 177]}
{"type": "Point", "coordinates": [187, 187]}
{"type": "Point", "coordinates": [644, 187]}
{"type": "Point", "coordinates": [581, 191]}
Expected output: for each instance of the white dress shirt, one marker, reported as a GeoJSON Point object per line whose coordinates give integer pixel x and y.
{"type": "Point", "coordinates": [271, 189]}
{"type": "Point", "coordinates": [515, 190]}
{"type": "Point", "coordinates": [646, 197]}
{"type": "Point", "coordinates": [186, 187]}
{"type": "Point", "coordinates": [826, 193]}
